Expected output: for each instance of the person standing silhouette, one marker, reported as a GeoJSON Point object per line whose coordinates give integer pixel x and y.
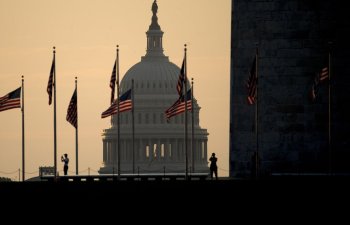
{"type": "Point", "coordinates": [213, 166]}
{"type": "Point", "coordinates": [65, 159]}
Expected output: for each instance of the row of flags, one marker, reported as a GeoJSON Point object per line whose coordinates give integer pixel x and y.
{"type": "Point", "coordinates": [13, 100]}
{"type": "Point", "coordinates": [251, 83]}
{"type": "Point", "coordinates": [72, 115]}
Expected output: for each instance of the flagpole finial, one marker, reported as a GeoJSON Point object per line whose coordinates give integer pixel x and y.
{"type": "Point", "coordinates": [192, 80]}
{"type": "Point", "coordinates": [330, 45]}
{"type": "Point", "coordinates": [54, 49]}
{"type": "Point", "coordinates": [22, 77]}
{"type": "Point", "coordinates": [257, 47]}
{"type": "Point", "coordinates": [76, 79]}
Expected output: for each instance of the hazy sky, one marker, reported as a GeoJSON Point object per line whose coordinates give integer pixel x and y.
{"type": "Point", "coordinates": [85, 33]}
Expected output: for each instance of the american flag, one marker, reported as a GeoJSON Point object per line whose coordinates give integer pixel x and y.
{"type": "Point", "coordinates": [324, 73]}
{"type": "Point", "coordinates": [251, 84]}
{"type": "Point", "coordinates": [50, 84]}
{"type": "Point", "coordinates": [180, 82]}
{"type": "Point", "coordinates": [11, 100]}
{"type": "Point", "coordinates": [179, 106]}
{"type": "Point", "coordinates": [319, 77]}
{"type": "Point", "coordinates": [113, 79]}
{"type": "Point", "coordinates": [125, 104]}
{"type": "Point", "coordinates": [72, 111]}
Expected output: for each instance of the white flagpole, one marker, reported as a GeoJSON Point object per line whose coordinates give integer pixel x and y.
{"type": "Point", "coordinates": [133, 125]}
{"type": "Point", "coordinates": [118, 114]}
{"type": "Point", "coordinates": [193, 148]}
{"type": "Point", "coordinates": [54, 114]}
{"type": "Point", "coordinates": [23, 137]}
{"type": "Point", "coordinates": [329, 110]}
{"type": "Point", "coordinates": [257, 169]}
{"type": "Point", "coordinates": [185, 99]}
{"type": "Point", "coordinates": [76, 131]}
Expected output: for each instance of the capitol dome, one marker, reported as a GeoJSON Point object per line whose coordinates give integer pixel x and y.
{"type": "Point", "coordinates": [158, 144]}
{"type": "Point", "coordinates": [152, 77]}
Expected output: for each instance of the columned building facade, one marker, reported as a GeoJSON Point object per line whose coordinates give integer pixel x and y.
{"type": "Point", "coordinates": [159, 145]}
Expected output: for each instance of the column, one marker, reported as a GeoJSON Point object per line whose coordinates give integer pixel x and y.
{"type": "Point", "coordinates": [110, 152]}
{"type": "Point", "coordinates": [150, 149]}
{"type": "Point", "coordinates": [205, 150]}
{"type": "Point", "coordinates": [136, 149]}
{"type": "Point", "coordinates": [141, 150]}
{"type": "Point", "coordinates": [198, 150]}
{"type": "Point", "coordinates": [125, 158]}
{"type": "Point", "coordinates": [126, 151]}
{"type": "Point", "coordinates": [114, 156]}
{"type": "Point", "coordinates": [104, 152]}
{"type": "Point", "coordinates": [159, 150]}
{"type": "Point", "coordinates": [179, 154]}
{"type": "Point", "coordinates": [166, 150]}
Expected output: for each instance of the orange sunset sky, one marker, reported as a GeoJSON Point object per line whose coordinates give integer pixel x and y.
{"type": "Point", "coordinates": [85, 33]}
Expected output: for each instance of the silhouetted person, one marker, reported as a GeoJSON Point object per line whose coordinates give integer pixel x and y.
{"type": "Point", "coordinates": [213, 166]}
{"type": "Point", "coordinates": [66, 161]}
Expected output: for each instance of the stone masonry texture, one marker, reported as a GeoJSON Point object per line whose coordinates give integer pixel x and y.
{"type": "Point", "coordinates": [293, 38]}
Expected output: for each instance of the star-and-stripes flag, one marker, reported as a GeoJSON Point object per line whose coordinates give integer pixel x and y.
{"type": "Point", "coordinates": [11, 100]}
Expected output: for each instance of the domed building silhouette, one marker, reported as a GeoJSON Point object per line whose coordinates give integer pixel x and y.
{"type": "Point", "coordinates": [159, 144]}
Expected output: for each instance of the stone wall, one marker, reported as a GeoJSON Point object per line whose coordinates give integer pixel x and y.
{"type": "Point", "coordinates": [293, 40]}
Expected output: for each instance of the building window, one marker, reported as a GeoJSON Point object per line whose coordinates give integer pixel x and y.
{"type": "Point", "coordinates": [162, 153]}
{"type": "Point", "coordinates": [155, 150]}
{"type": "Point", "coordinates": [147, 151]}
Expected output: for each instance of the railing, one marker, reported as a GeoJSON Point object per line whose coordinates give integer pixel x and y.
{"type": "Point", "coordinates": [125, 177]}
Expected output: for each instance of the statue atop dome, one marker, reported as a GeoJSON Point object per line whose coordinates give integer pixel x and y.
{"type": "Point", "coordinates": [154, 25]}
{"type": "Point", "coordinates": [154, 7]}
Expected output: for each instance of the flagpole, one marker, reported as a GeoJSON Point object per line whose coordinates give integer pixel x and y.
{"type": "Point", "coordinates": [54, 114]}
{"type": "Point", "coordinates": [193, 159]}
{"type": "Point", "coordinates": [118, 114]}
{"type": "Point", "coordinates": [76, 131]}
{"type": "Point", "coordinates": [133, 125]}
{"type": "Point", "coordinates": [329, 110]}
{"type": "Point", "coordinates": [23, 140]}
{"type": "Point", "coordinates": [257, 116]}
{"type": "Point", "coordinates": [185, 99]}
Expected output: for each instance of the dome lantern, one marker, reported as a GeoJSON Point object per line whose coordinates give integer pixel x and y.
{"type": "Point", "coordinates": [154, 38]}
